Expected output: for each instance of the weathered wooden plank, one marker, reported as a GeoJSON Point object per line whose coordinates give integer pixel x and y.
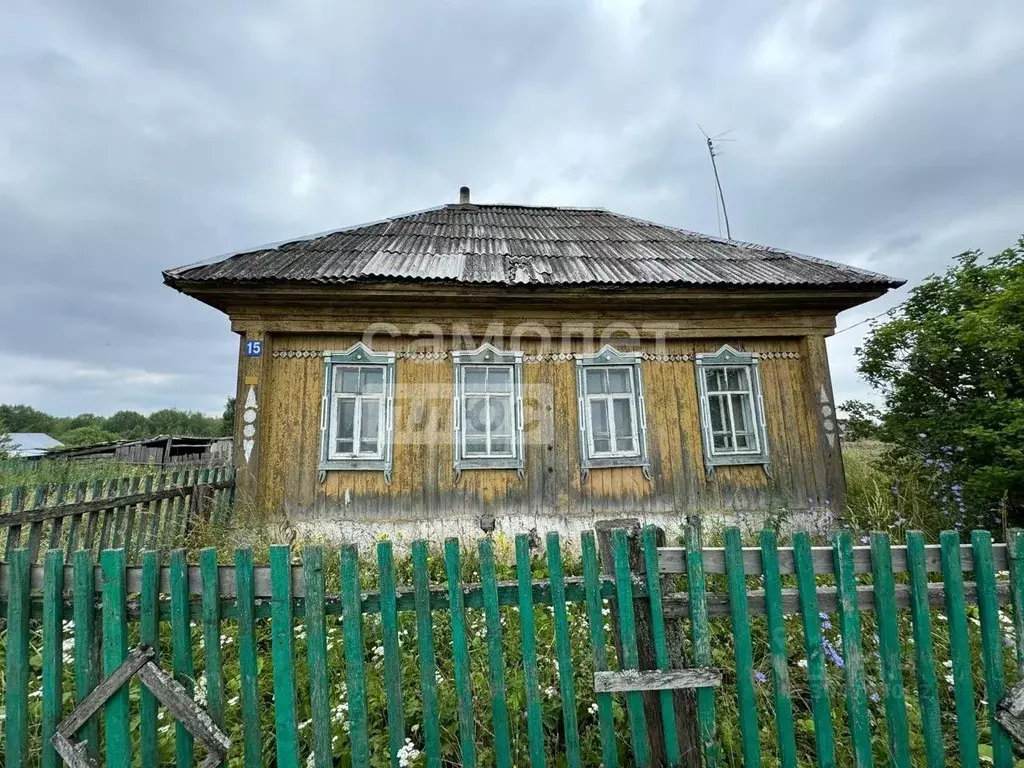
{"type": "Point", "coordinates": [52, 652]}
{"type": "Point", "coordinates": [355, 666]}
{"type": "Point", "coordinates": [425, 644]}
{"type": "Point", "coordinates": [959, 649]}
{"type": "Point", "coordinates": [890, 651]}
{"type": "Point", "coordinates": [248, 670]}
{"type": "Point", "coordinates": [283, 655]}
{"type": "Point", "coordinates": [9, 520]}
{"type": "Point", "coordinates": [117, 715]}
{"type": "Point", "coordinates": [211, 636]}
{"type": "Point", "coordinates": [991, 644]}
{"type": "Point", "coordinates": [924, 658]}
{"type": "Point", "coordinates": [672, 560]}
{"type": "Point", "coordinates": [17, 661]}
{"type": "Point", "coordinates": [656, 680]}
{"type": "Point", "coordinates": [698, 612]}
{"type": "Point", "coordinates": [316, 651]}
{"type": "Point", "coordinates": [649, 543]}
{"type": "Point", "coordinates": [86, 656]}
{"type": "Point", "coordinates": [527, 626]}
{"type": "Point", "coordinates": [460, 654]}
{"type": "Point", "coordinates": [563, 651]}
{"type": "Point", "coordinates": [743, 650]}
{"type": "Point", "coordinates": [1015, 555]}
{"type": "Point", "coordinates": [113, 684]}
{"type": "Point", "coordinates": [627, 635]}
{"type": "Point", "coordinates": [35, 531]}
{"type": "Point", "coordinates": [495, 656]}
{"type": "Point", "coordinates": [781, 693]}
{"type": "Point", "coordinates": [149, 635]}
{"type": "Point", "coordinates": [595, 618]}
{"type": "Point", "coordinates": [181, 651]}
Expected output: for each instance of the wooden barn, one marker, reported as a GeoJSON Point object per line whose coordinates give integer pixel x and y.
{"type": "Point", "coordinates": [479, 365]}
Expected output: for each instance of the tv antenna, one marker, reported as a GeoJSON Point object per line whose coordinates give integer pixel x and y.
{"type": "Point", "coordinates": [714, 151]}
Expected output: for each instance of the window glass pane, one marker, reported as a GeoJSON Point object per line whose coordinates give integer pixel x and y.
{"type": "Point", "coordinates": [596, 382]}
{"type": "Point", "coordinates": [369, 425]}
{"type": "Point", "coordinates": [346, 425]}
{"type": "Point", "coordinates": [346, 380]}
{"type": "Point", "coordinates": [741, 413]}
{"type": "Point", "coordinates": [719, 416]}
{"type": "Point", "coordinates": [501, 446]}
{"type": "Point", "coordinates": [343, 446]}
{"type": "Point", "coordinates": [737, 379]}
{"type": "Point", "coordinates": [602, 445]}
{"type": "Point", "coordinates": [745, 441]}
{"type": "Point", "coordinates": [624, 444]}
{"type": "Point", "coordinates": [475, 379]}
{"type": "Point", "coordinates": [723, 443]}
{"type": "Point", "coordinates": [476, 447]}
{"type": "Point", "coordinates": [500, 416]}
{"type": "Point", "coordinates": [623, 417]}
{"type": "Point", "coordinates": [599, 419]}
{"type": "Point", "coordinates": [618, 379]}
{"type": "Point", "coordinates": [372, 380]}
{"type": "Point", "coordinates": [476, 415]}
{"type": "Point", "coordinates": [715, 378]}
{"type": "Point", "coordinates": [499, 379]}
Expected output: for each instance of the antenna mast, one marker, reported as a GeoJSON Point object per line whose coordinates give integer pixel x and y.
{"type": "Point", "coordinates": [714, 152]}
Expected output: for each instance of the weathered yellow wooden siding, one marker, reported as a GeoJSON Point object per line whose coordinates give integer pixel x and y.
{"type": "Point", "coordinates": [423, 485]}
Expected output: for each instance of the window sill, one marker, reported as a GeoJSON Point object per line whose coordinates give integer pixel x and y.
{"type": "Point", "coordinates": [354, 465]}
{"type": "Point", "coordinates": [613, 462]}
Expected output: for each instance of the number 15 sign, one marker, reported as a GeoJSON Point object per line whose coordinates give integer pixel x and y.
{"type": "Point", "coordinates": [254, 348]}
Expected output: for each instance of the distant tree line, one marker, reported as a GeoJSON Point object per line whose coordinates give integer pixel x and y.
{"type": "Point", "coordinates": [88, 428]}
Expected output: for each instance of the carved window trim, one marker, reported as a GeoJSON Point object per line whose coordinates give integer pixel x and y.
{"type": "Point", "coordinates": [358, 355]}
{"type": "Point", "coordinates": [488, 355]}
{"type": "Point", "coordinates": [609, 357]}
{"type": "Point", "coordinates": [727, 357]}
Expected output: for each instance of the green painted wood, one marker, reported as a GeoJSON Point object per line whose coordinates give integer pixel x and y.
{"type": "Point", "coordinates": [149, 634]}
{"type": "Point", "coordinates": [245, 603]}
{"type": "Point", "coordinates": [528, 632]}
{"type": "Point", "coordinates": [1015, 554]}
{"type": "Point", "coordinates": [563, 650]}
{"type": "Point", "coordinates": [392, 653]}
{"type": "Point", "coordinates": [495, 655]}
{"type": "Point", "coordinates": [355, 667]}
{"type": "Point", "coordinates": [86, 666]}
{"type": "Point", "coordinates": [991, 643]}
{"type": "Point", "coordinates": [821, 712]}
{"type": "Point", "coordinates": [53, 652]}
{"type": "Point", "coordinates": [425, 645]}
{"type": "Point", "coordinates": [853, 655]}
{"type": "Point", "coordinates": [890, 651]}
{"type": "Point", "coordinates": [700, 633]}
{"type": "Point", "coordinates": [117, 712]}
{"type": "Point", "coordinates": [17, 661]}
{"type": "Point", "coordinates": [781, 692]}
{"type": "Point", "coordinates": [742, 648]}
{"type": "Point", "coordinates": [282, 654]}
{"type": "Point", "coordinates": [627, 636]}
{"type": "Point", "coordinates": [959, 649]}
{"type": "Point", "coordinates": [208, 573]}
{"type": "Point", "coordinates": [316, 651]}
{"type": "Point", "coordinates": [596, 620]}
{"type": "Point", "coordinates": [649, 540]}
{"type": "Point", "coordinates": [924, 657]}
{"type": "Point", "coordinates": [460, 653]}
{"type": "Point", "coordinates": [181, 649]}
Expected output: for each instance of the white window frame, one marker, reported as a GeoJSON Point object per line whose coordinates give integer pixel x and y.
{"type": "Point", "coordinates": [484, 357]}
{"type": "Point", "coordinates": [357, 356]}
{"type": "Point", "coordinates": [727, 357]}
{"type": "Point", "coordinates": [608, 358]}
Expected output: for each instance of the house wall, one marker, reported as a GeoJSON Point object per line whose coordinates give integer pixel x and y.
{"type": "Point", "coordinates": [425, 499]}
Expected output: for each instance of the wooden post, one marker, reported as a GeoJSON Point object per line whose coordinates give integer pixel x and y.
{"type": "Point", "coordinates": [252, 380]}
{"type": "Point", "coordinates": [684, 700]}
{"type": "Point", "coordinates": [821, 400]}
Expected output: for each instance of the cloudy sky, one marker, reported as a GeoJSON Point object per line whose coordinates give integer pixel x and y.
{"type": "Point", "coordinates": [140, 136]}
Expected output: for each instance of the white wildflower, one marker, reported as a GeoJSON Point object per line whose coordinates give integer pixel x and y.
{"type": "Point", "coordinates": [802, 663]}
{"type": "Point", "coordinates": [592, 709]}
{"type": "Point", "coordinates": [551, 692]}
{"type": "Point", "coordinates": [407, 754]}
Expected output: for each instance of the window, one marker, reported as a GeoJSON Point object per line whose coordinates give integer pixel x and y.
{"type": "Point", "coordinates": [732, 411]}
{"type": "Point", "coordinates": [488, 408]}
{"type": "Point", "coordinates": [612, 427]}
{"type": "Point", "coordinates": [357, 424]}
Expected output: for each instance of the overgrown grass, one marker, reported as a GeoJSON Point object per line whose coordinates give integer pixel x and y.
{"type": "Point", "coordinates": [14, 472]}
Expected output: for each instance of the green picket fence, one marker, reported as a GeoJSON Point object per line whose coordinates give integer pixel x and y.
{"type": "Point", "coordinates": [300, 666]}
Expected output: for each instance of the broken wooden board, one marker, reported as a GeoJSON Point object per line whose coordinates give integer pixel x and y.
{"type": "Point", "coordinates": [656, 680]}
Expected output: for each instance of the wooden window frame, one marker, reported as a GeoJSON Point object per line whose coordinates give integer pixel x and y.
{"type": "Point", "coordinates": [609, 357]}
{"type": "Point", "coordinates": [483, 357]}
{"type": "Point", "coordinates": [727, 357]}
{"type": "Point", "coordinates": [357, 356]}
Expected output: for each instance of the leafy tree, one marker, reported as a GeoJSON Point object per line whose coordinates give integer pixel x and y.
{"type": "Point", "coordinates": [87, 436]}
{"type": "Point", "coordinates": [951, 368]}
{"type": "Point", "coordinates": [24, 418]}
{"type": "Point", "coordinates": [5, 440]}
{"type": "Point", "coordinates": [227, 427]}
{"type": "Point", "coordinates": [127, 424]}
{"type": "Point", "coordinates": [863, 420]}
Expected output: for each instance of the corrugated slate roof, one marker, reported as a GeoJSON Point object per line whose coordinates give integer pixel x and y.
{"type": "Point", "coordinates": [521, 245]}
{"type": "Point", "coordinates": [26, 444]}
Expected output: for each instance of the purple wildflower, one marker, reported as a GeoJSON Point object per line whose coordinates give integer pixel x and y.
{"type": "Point", "coordinates": [865, 539]}
{"type": "Point", "coordinates": [761, 677]}
{"type": "Point", "coordinates": [874, 697]}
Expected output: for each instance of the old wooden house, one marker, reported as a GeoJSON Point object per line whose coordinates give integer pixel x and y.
{"type": "Point", "coordinates": [515, 366]}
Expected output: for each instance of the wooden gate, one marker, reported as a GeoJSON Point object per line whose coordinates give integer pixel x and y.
{"type": "Point", "coordinates": [457, 658]}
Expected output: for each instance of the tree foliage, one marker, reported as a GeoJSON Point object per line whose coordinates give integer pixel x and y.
{"type": "Point", "coordinates": [88, 428]}
{"type": "Point", "coordinates": [950, 365]}
{"type": "Point", "coordinates": [863, 420]}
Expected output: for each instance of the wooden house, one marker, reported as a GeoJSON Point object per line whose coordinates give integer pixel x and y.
{"type": "Point", "coordinates": [516, 366]}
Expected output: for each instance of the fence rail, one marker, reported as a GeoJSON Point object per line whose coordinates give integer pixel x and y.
{"type": "Point", "coordinates": [136, 513]}
{"type": "Point", "coordinates": [273, 607]}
